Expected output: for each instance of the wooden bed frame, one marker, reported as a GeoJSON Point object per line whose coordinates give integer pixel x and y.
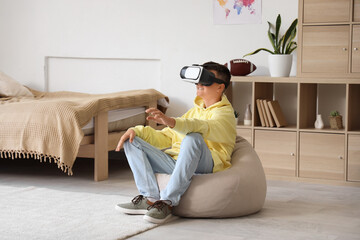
{"type": "Point", "coordinates": [97, 145]}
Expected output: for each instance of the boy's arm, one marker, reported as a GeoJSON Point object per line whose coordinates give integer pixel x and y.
{"type": "Point", "coordinates": [214, 129]}
{"type": "Point", "coordinates": [154, 137]}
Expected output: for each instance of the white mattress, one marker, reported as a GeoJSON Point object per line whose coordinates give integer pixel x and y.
{"type": "Point", "coordinates": [133, 116]}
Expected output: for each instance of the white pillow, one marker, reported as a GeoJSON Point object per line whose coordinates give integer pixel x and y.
{"type": "Point", "coordinates": [11, 88]}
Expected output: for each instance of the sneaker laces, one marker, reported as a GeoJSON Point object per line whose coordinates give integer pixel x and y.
{"type": "Point", "coordinates": [159, 205]}
{"type": "Point", "coordinates": [136, 200]}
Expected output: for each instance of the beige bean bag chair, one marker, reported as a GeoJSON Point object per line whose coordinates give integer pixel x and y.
{"type": "Point", "coordinates": [237, 191]}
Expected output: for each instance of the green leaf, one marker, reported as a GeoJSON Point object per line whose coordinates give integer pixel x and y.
{"type": "Point", "coordinates": [280, 50]}
{"type": "Point", "coordinates": [291, 32]}
{"type": "Point", "coordinates": [277, 30]}
{"type": "Point", "coordinates": [258, 50]}
{"type": "Point", "coordinates": [291, 45]}
{"type": "Point", "coordinates": [291, 50]}
{"type": "Point", "coordinates": [272, 37]}
{"type": "Point", "coordinates": [291, 39]}
{"type": "Point", "coordinates": [334, 113]}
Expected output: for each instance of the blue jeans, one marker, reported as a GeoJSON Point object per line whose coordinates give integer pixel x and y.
{"type": "Point", "coordinates": [146, 160]}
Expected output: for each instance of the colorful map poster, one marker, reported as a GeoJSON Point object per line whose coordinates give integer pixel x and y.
{"type": "Point", "coordinates": [237, 11]}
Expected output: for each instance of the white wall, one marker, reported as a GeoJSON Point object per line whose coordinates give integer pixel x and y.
{"type": "Point", "coordinates": [175, 32]}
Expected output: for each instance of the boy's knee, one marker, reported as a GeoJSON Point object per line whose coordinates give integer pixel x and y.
{"type": "Point", "coordinates": [194, 137]}
{"type": "Point", "coordinates": [134, 143]}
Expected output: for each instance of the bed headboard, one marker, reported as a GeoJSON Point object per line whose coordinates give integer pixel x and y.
{"type": "Point", "coordinates": [101, 75]}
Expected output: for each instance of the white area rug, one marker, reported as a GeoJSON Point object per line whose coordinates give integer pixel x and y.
{"type": "Point", "coordinates": [41, 213]}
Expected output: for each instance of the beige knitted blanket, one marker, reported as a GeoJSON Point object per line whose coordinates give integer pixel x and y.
{"type": "Point", "coordinates": [48, 127]}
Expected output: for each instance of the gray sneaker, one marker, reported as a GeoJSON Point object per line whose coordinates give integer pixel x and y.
{"type": "Point", "coordinates": [159, 212]}
{"type": "Point", "coordinates": [139, 205]}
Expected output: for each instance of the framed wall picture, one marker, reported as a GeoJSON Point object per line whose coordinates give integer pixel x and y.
{"type": "Point", "coordinates": [237, 11]}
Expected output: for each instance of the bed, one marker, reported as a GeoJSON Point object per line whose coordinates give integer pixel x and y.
{"type": "Point", "coordinates": [61, 126]}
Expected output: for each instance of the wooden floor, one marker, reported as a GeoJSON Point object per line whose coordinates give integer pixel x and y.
{"type": "Point", "coordinates": [293, 210]}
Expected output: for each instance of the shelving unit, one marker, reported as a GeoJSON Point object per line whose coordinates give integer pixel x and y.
{"type": "Point", "coordinates": [329, 38]}
{"type": "Point", "coordinates": [328, 79]}
{"type": "Point", "coordinates": [299, 151]}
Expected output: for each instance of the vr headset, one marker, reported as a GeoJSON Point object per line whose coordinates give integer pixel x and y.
{"type": "Point", "coordinates": [198, 74]}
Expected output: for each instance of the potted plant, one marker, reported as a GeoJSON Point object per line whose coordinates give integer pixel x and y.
{"type": "Point", "coordinates": [280, 59]}
{"type": "Point", "coordinates": [335, 120]}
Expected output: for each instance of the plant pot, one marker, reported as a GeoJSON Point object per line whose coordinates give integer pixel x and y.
{"type": "Point", "coordinates": [336, 122]}
{"type": "Point", "coordinates": [280, 65]}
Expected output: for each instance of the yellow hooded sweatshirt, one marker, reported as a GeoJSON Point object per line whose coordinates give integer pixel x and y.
{"type": "Point", "coordinates": [216, 124]}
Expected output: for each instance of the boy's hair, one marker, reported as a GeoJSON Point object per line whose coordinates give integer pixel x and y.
{"type": "Point", "coordinates": [222, 71]}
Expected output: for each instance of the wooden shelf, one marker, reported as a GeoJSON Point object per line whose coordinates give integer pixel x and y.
{"type": "Point", "coordinates": [299, 98]}
{"type": "Point", "coordinates": [287, 128]}
{"type": "Point", "coordinates": [241, 125]}
{"type": "Point", "coordinates": [309, 78]}
{"type": "Point", "coordinates": [324, 130]}
{"type": "Point", "coordinates": [329, 23]}
{"type": "Point", "coordinates": [354, 132]}
{"type": "Point", "coordinates": [264, 79]}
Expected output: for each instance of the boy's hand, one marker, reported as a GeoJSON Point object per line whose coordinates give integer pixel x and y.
{"type": "Point", "coordinates": [129, 134]}
{"type": "Point", "coordinates": [159, 117]}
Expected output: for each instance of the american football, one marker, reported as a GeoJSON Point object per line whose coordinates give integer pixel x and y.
{"type": "Point", "coordinates": [240, 67]}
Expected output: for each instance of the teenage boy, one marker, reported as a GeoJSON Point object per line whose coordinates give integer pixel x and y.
{"type": "Point", "coordinates": [199, 142]}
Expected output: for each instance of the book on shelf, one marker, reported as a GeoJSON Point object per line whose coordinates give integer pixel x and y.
{"type": "Point", "coordinates": [260, 111]}
{"type": "Point", "coordinates": [264, 113]}
{"type": "Point", "coordinates": [277, 113]}
{"type": "Point", "coordinates": [268, 113]}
